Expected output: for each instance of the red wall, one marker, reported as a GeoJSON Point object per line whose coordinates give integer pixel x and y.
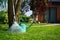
{"type": "Point", "coordinates": [41, 18]}
{"type": "Point", "coordinates": [58, 14]}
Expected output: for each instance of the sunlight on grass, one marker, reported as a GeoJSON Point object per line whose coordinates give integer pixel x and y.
{"type": "Point", "coordinates": [34, 33]}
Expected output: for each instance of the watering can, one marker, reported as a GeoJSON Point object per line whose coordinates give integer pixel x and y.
{"type": "Point", "coordinates": [24, 27]}
{"type": "Point", "coordinates": [15, 27]}
{"type": "Point", "coordinates": [27, 12]}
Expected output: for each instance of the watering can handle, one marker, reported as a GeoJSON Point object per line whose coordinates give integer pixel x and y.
{"type": "Point", "coordinates": [29, 26]}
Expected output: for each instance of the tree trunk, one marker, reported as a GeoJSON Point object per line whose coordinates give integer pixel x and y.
{"type": "Point", "coordinates": [10, 12]}
{"type": "Point", "coordinates": [17, 9]}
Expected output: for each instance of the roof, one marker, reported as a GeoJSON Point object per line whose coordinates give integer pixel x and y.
{"type": "Point", "coordinates": [54, 0]}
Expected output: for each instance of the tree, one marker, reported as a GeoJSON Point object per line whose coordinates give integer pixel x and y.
{"type": "Point", "coordinates": [38, 7]}
{"type": "Point", "coordinates": [17, 4]}
{"type": "Point", "coordinates": [10, 12]}
{"type": "Point", "coordinates": [17, 7]}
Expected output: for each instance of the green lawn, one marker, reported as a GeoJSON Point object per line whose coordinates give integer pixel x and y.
{"type": "Point", "coordinates": [34, 33]}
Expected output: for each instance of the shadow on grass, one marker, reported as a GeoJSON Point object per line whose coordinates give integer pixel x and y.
{"type": "Point", "coordinates": [3, 28]}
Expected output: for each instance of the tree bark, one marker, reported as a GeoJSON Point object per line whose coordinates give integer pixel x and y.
{"type": "Point", "coordinates": [17, 9]}
{"type": "Point", "coordinates": [10, 12]}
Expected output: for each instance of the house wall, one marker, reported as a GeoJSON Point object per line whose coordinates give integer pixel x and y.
{"type": "Point", "coordinates": [58, 10]}
{"type": "Point", "coordinates": [58, 14]}
{"type": "Point", "coordinates": [40, 16]}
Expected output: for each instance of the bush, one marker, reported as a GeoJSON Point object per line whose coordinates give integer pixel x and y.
{"type": "Point", "coordinates": [3, 17]}
{"type": "Point", "coordinates": [24, 19]}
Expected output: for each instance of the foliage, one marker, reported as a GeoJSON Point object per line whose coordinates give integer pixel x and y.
{"type": "Point", "coordinates": [39, 5]}
{"type": "Point", "coordinates": [3, 5]}
{"type": "Point", "coordinates": [0, 0]}
{"type": "Point", "coordinates": [3, 17]}
{"type": "Point", "coordinates": [23, 18]}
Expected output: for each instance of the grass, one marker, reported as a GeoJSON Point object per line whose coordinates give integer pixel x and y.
{"type": "Point", "coordinates": [34, 33]}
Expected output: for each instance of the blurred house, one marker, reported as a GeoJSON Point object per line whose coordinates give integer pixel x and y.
{"type": "Point", "coordinates": [53, 13]}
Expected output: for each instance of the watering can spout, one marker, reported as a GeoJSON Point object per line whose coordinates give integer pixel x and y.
{"type": "Point", "coordinates": [23, 26]}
